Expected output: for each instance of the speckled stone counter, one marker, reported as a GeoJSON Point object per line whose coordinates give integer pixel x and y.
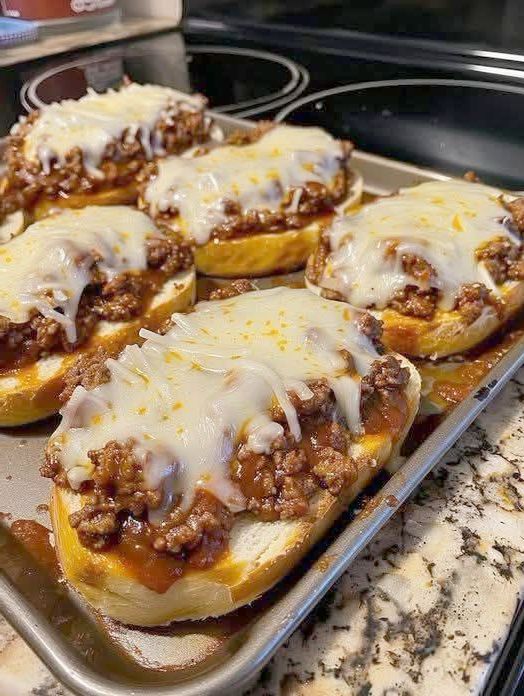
{"type": "Point", "coordinates": [425, 609]}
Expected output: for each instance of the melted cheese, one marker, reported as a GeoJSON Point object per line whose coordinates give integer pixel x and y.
{"type": "Point", "coordinates": [96, 120]}
{"type": "Point", "coordinates": [46, 268]}
{"type": "Point", "coordinates": [256, 176]}
{"type": "Point", "coordinates": [186, 398]}
{"type": "Point", "coordinates": [441, 222]}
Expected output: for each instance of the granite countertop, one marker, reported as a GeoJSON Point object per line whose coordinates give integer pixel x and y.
{"type": "Point", "coordinates": [426, 607]}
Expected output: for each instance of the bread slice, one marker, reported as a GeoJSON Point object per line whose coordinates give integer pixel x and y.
{"type": "Point", "coordinates": [124, 195]}
{"type": "Point", "coordinates": [447, 332]}
{"type": "Point", "coordinates": [265, 254]}
{"type": "Point", "coordinates": [260, 553]}
{"type": "Point", "coordinates": [31, 392]}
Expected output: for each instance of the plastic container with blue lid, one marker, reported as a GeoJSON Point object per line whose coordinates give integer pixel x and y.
{"type": "Point", "coordinates": [16, 31]}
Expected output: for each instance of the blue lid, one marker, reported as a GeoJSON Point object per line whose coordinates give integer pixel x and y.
{"type": "Point", "coordinates": [13, 31]}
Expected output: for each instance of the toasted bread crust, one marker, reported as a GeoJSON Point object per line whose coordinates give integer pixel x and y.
{"type": "Point", "coordinates": [31, 393]}
{"type": "Point", "coordinates": [265, 254]}
{"type": "Point", "coordinates": [447, 332]}
{"type": "Point", "coordinates": [260, 553]}
{"type": "Point", "coordinates": [124, 195]}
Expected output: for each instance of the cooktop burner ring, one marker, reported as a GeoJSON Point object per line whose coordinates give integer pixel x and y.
{"type": "Point", "coordinates": [450, 125]}
{"type": "Point", "coordinates": [296, 84]}
{"type": "Point", "coordinates": [372, 84]}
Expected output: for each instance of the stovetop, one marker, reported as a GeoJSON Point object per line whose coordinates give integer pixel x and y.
{"type": "Point", "coordinates": [453, 106]}
{"type": "Point", "coordinates": [488, 23]}
{"type": "Point", "coordinates": [451, 109]}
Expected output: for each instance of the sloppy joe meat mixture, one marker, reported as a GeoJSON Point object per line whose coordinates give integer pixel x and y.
{"type": "Point", "coordinates": [25, 182]}
{"type": "Point", "coordinates": [277, 485]}
{"type": "Point", "coordinates": [119, 299]}
{"type": "Point", "coordinates": [315, 199]}
{"type": "Point", "coordinates": [502, 259]}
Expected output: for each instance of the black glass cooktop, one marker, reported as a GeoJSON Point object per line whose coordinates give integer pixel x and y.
{"type": "Point", "coordinates": [437, 109]}
{"type": "Point", "coordinates": [222, 73]}
{"type": "Point", "coordinates": [494, 23]}
{"type": "Point", "coordinates": [450, 125]}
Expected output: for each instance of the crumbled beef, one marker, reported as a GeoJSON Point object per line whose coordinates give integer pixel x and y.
{"type": "Point", "coordinates": [118, 299]}
{"type": "Point", "coordinates": [96, 524]}
{"type": "Point", "coordinates": [233, 289]}
{"type": "Point", "coordinates": [334, 470]}
{"type": "Point", "coordinates": [516, 269]}
{"type": "Point", "coordinates": [298, 204]}
{"type": "Point", "coordinates": [280, 485]}
{"type": "Point", "coordinates": [418, 268]}
{"type": "Point", "coordinates": [313, 199]}
{"type": "Point", "coordinates": [254, 222]}
{"type": "Point", "coordinates": [197, 533]}
{"type": "Point", "coordinates": [121, 299]}
{"type": "Point", "coordinates": [516, 208]}
{"type": "Point", "coordinates": [321, 401]}
{"type": "Point", "coordinates": [503, 260]}
{"type": "Point", "coordinates": [89, 371]}
{"type": "Point", "coordinates": [386, 374]}
{"type": "Point", "coordinates": [25, 181]}
{"type": "Point", "coordinates": [471, 300]}
{"type": "Point", "coordinates": [414, 302]}
{"type": "Point", "coordinates": [371, 327]}
{"type": "Point", "coordinates": [169, 254]}
{"type": "Point", "coordinates": [276, 486]}
{"type": "Point", "coordinates": [118, 490]}
{"type": "Point", "coordinates": [51, 467]}
{"type": "Point", "coordinates": [117, 486]}
{"type": "Point", "coordinates": [23, 343]}
{"type": "Point", "coordinates": [118, 476]}
{"type": "Point", "coordinates": [248, 137]}
{"type": "Point", "coordinates": [317, 261]}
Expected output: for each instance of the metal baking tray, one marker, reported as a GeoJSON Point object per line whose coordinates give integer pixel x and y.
{"type": "Point", "coordinates": [94, 656]}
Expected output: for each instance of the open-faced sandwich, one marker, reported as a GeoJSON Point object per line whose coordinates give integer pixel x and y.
{"type": "Point", "coordinates": [88, 151]}
{"type": "Point", "coordinates": [254, 206]}
{"type": "Point", "coordinates": [210, 459]}
{"type": "Point", "coordinates": [75, 288]}
{"type": "Point", "coordinates": [440, 264]}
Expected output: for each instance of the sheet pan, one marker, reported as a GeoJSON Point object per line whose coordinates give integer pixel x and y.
{"type": "Point", "coordinates": [94, 656]}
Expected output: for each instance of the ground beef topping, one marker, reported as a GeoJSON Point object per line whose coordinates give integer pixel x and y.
{"type": "Point", "coordinates": [314, 199]}
{"type": "Point", "coordinates": [516, 208]}
{"type": "Point", "coordinates": [117, 486]}
{"type": "Point", "coordinates": [233, 289]}
{"type": "Point", "coordinates": [25, 181]}
{"type": "Point", "coordinates": [317, 261]}
{"type": "Point", "coordinates": [277, 485]}
{"type": "Point", "coordinates": [503, 260]}
{"type": "Point", "coordinates": [248, 137]}
{"type": "Point", "coordinates": [88, 371]}
{"type": "Point", "coordinates": [297, 207]}
{"type": "Point", "coordinates": [418, 268]}
{"type": "Point", "coordinates": [169, 254]}
{"type": "Point", "coordinates": [415, 302]}
{"type": "Point", "coordinates": [119, 299]}
{"type": "Point", "coordinates": [471, 300]}
{"type": "Point", "coordinates": [322, 401]}
{"type": "Point", "coordinates": [199, 533]}
{"type": "Point", "coordinates": [372, 328]}
{"type": "Point", "coordinates": [386, 375]}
